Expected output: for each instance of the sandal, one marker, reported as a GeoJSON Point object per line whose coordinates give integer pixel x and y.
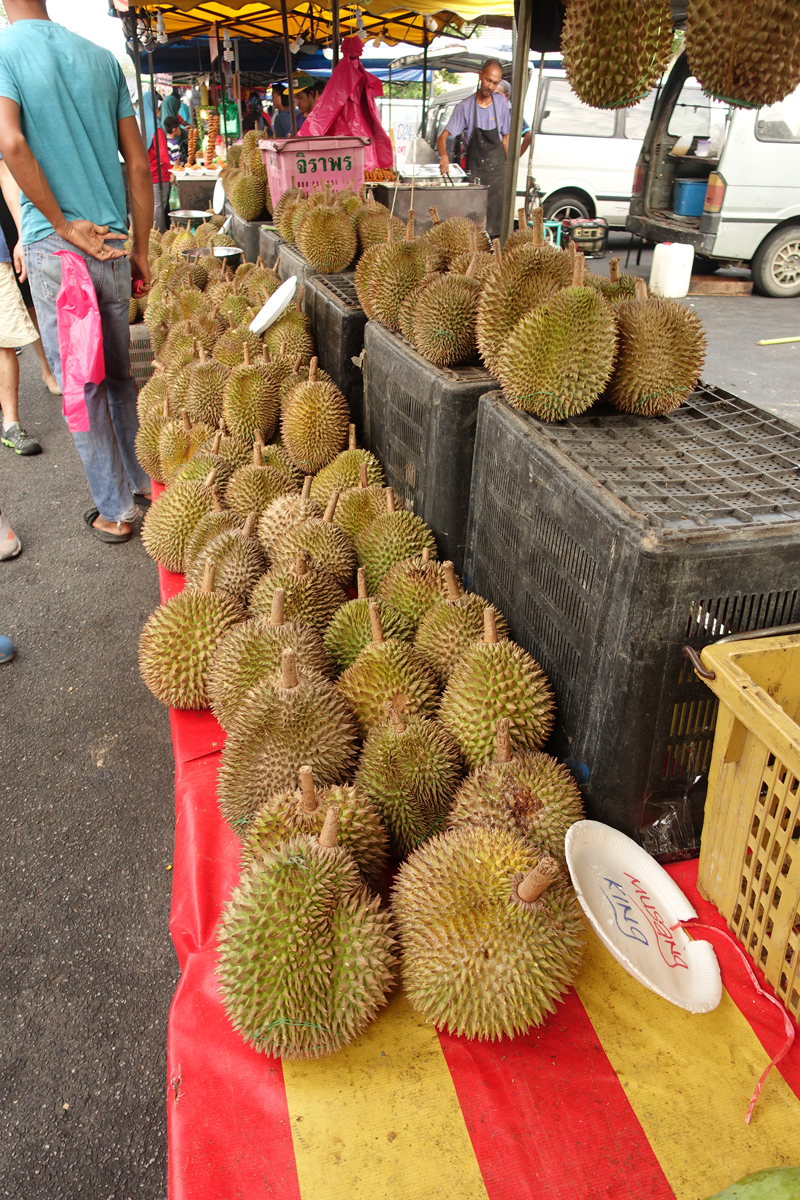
{"type": "Point", "coordinates": [103, 536]}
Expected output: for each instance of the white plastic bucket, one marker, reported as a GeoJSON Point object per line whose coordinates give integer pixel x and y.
{"type": "Point", "coordinates": [671, 271]}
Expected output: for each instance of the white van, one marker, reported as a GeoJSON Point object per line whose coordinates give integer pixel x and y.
{"type": "Point", "coordinates": [747, 164]}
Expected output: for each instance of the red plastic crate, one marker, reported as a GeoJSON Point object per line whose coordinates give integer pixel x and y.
{"type": "Point", "coordinates": [308, 162]}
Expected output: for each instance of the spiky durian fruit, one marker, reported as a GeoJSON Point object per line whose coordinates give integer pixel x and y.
{"type": "Point", "coordinates": [171, 518]}
{"type": "Point", "coordinates": [178, 441]}
{"type": "Point", "coordinates": [238, 558]}
{"type": "Point", "coordinates": [395, 535]}
{"type": "Point", "coordinates": [408, 309]}
{"type": "Point", "coordinates": [261, 282]}
{"type": "Point", "coordinates": [207, 380]}
{"type": "Point", "coordinates": [383, 670]}
{"type": "Point", "coordinates": [374, 223]}
{"type": "Point", "coordinates": [617, 286]}
{"type": "Point", "coordinates": [444, 320]}
{"type": "Point", "coordinates": [212, 523]}
{"type": "Point", "coordinates": [519, 283]}
{"type": "Point", "coordinates": [299, 374]}
{"type": "Point", "coordinates": [247, 196]}
{"type": "Point", "coordinates": [237, 453]}
{"type": "Point", "coordinates": [253, 487]}
{"type": "Point", "coordinates": [482, 263]}
{"type": "Point", "coordinates": [414, 585]}
{"type": "Point", "coordinates": [276, 455]}
{"type": "Point", "coordinates": [358, 507]}
{"type": "Point", "coordinates": [250, 403]}
{"type": "Point", "coordinates": [445, 239]}
{"type": "Point", "coordinates": [744, 55]}
{"type": "Point", "coordinates": [286, 511]}
{"type": "Point", "coordinates": [179, 639]}
{"type": "Point", "coordinates": [345, 471]}
{"type": "Point", "coordinates": [152, 396]}
{"type": "Point", "coordinates": [350, 629]}
{"type": "Point", "coordinates": [397, 270]}
{"type": "Point", "coordinates": [363, 274]}
{"type": "Point", "coordinates": [495, 679]}
{"type": "Point", "coordinates": [291, 719]}
{"type": "Point", "coordinates": [229, 346]}
{"type": "Point", "coordinates": [286, 213]}
{"type": "Point", "coordinates": [147, 438]}
{"type": "Point", "coordinates": [410, 770]}
{"type": "Point", "coordinates": [304, 810]}
{"type": "Point", "coordinates": [326, 547]}
{"type": "Point", "coordinates": [615, 51]}
{"type": "Point", "coordinates": [660, 354]}
{"type": "Point", "coordinates": [252, 652]}
{"type": "Point", "coordinates": [324, 987]}
{"type": "Point", "coordinates": [530, 794]}
{"type": "Point", "coordinates": [491, 932]}
{"type": "Point", "coordinates": [314, 423]}
{"type": "Point", "coordinates": [327, 239]}
{"type": "Point", "coordinates": [559, 358]}
{"type": "Point", "coordinates": [451, 626]}
{"type": "Point", "coordinates": [203, 461]}
{"type": "Point", "coordinates": [293, 333]}
{"type": "Point", "coordinates": [311, 596]}
{"type": "Point", "coordinates": [526, 235]}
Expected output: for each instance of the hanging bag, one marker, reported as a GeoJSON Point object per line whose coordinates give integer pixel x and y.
{"type": "Point", "coordinates": [80, 339]}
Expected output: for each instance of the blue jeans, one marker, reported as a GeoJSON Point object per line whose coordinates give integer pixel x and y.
{"type": "Point", "coordinates": [107, 450]}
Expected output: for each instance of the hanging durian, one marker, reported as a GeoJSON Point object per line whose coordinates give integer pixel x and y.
{"type": "Point", "coordinates": [748, 55]}
{"type": "Point", "coordinates": [615, 51]}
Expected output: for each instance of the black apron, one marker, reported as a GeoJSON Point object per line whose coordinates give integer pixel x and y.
{"type": "Point", "coordinates": [485, 159]}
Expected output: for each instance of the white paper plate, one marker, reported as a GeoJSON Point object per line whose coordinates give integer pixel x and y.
{"type": "Point", "coordinates": [275, 307]}
{"type": "Point", "coordinates": [218, 201]}
{"type": "Point", "coordinates": [631, 903]}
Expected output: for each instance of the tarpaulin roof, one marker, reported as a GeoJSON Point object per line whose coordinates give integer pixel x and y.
{"type": "Point", "coordinates": [260, 62]}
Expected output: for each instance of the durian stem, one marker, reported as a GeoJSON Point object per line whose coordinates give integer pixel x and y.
{"type": "Point", "coordinates": [246, 349]}
{"type": "Point", "coordinates": [503, 740]}
{"type": "Point", "coordinates": [210, 478]}
{"type": "Point", "coordinates": [299, 301]}
{"type": "Point", "coordinates": [312, 369]}
{"type": "Point", "coordinates": [249, 525]}
{"type": "Point", "coordinates": [260, 262]}
{"type": "Point", "coordinates": [276, 616]}
{"type": "Point", "coordinates": [187, 423]}
{"type": "Point", "coordinates": [361, 578]}
{"type": "Point", "coordinates": [473, 266]}
{"type": "Point", "coordinates": [490, 627]}
{"type": "Point", "coordinates": [351, 437]}
{"type": "Point", "coordinates": [498, 253]}
{"type": "Point", "coordinates": [310, 803]}
{"type": "Point", "coordinates": [410, 223]}
{"type": "Point", "coordinates": [538, 226]}
{"type": "Point", "coordinates": [363, 481]}
{"type": "Point", "coordinates": [435, 218]}
{"type": "Point", "coordinates": [216, 500]}
{"type": "Point", "coordinates": [165, 408]}
{"type": "Point", "coordinates": [375, 621]}
{"type": "Point", "coordinates": [257, 459]}
{"type": "Point", "coordinates": [451, 581]}
{"type": "Point", "coordinates": [536, 881]}
{"type": "Point", "coordinates": [209, 571]}
{"type": "Point", "coordinates": [578, 270]}
{"type": "Point", "coordinates": [331, 509]}
{"type": "Point", "coordinates": [473, 240]}
{"type": "Point", "coordinates": [217, 442]}
{"type": "Point", "coordinates": [641, 289]}
{"type": "Point", "coordinates": [390, 505]}
{"type": "Point", "coordinates": [613, 271]}
{"type": "Point", "coordinates": [301, 566]}
{"type": "Point", "coordinates": [522, 220]}
{"type": "Point", "coordinates": [298, 362]}
{"type": "Point", "coordinates": [306, 492]}
{"type": "Point", "coordinates": [396, 721]}
{"type": "Point", "coordinates": [426, 554]}
{"type": "Point", "coordinates": [231, 322]}
{"type": "Point", "coordinates": [201, 352]}
{"type": "Point", "coordinates": [289, 669]}
{"type": "Point", "coordinates": [330, 829]}
{"type": "Point", "coordinates": [265, 355]}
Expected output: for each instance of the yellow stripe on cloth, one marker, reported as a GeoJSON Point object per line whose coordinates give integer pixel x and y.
{"type": "Point", "coordinates": [380, 1120]}
{"type": "Point", "coordinates": [689, 1078]}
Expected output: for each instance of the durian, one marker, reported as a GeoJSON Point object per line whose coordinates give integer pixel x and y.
{"type": "Point", "coordinates": [414, 585]}
{"type": "Point", "coordinates": [615, 51]}
{"type": "Point", "coordinates": [491, 933]}
{"type": "Point", "coordinates": [152, 396]}
{"type": "Point", "coordinates": [395, 535]}
{"type": "Point", "coordinates": [326, 547]}
{"type": "Point", "coordinates": [147, 438]}
{"type": "Point", "coordinates": [170, 519]}
{"type": "Point", "coordinates": [445, 239]}
{"type": "Point", "coordinates": [229, 347]}
{"type": "Point", "coordinates": [374, 223]}
{"type": "Point", "coordinates": [744, 55]}
{"type": "Point", "coordinates": [311, 596]}
{"type": "Point", "coordinates": [617, 286]}
{"type": "Point", "coordinates": [314, 423]}
{"type": "Point", "coordinates": [292, 332]}
{"type": "Point", "coordinates": [346, 471]}
{"type": "Point", "coordinates": [358, 507]}
{"type": "Point", "coordinates": [247, 196]}
{"type": "Point", "coordinates": [238, 559]}
{"type": "Point", "coordinates": [298, 374]}
{"type": "Point", "coordinates": [250, 403]}
{"type": "Point", "coordinates": [327, 239]}
{"type": "Point", "coordinates": [444, 320]}
{"type": "Point", "coordinates": [350, 629]}
{"type": "Point", "coordinates": [178, 441]}
{"type": "Point", "coordinates": [203, 461]}
{"type": "Point", "coordinates": [208, 527]}
{"type": "Point", "coordinates": [397, 270]}
{"type": "Point", "coordinates": [451, 626]}
{"type": "Point", "coordinates": [363, 275]}
{"type": "Point", "coordinates": [253, 487]}
{"type": "Point", "coordinates": [286, 511]}
{"type": "Point", "coordinates": [207, 380]}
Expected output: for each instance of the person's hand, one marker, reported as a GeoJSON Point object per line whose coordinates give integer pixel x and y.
{"type": "Point", "coordinates": [140, 269]}
{"type": "Point", "coordinates": [444, 165]}
{"type": "Point", "coordinates": [92, 238]}
{"type": "Point", "coordinates": [19, 263]}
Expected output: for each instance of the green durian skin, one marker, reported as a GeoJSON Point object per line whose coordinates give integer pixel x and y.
{"type": "Point", "coordinates": [178, 641]}
{"type": "Point", "coordinates": [449, 628]}
{"type": "Point", "coordinates": [358, 508]}
{"type": "Point", "coordinates": [207, 528]}
{"type": "Point", "coordinates": [636, 35]}
{"type": "Point", "coordinates": [660, 356]}
{"type": "Point", "coordinates": [414, 586]}
{"type": "Point", "coordinates": [350, 630]}
{"type": "Point", "coordinates": [389, 539]}
{"type": "Point", "coordinates": [239, 563]}
{"type": "Point", "coordinates": [312, 598]}
{"type": "Point", "coordinates": [170, 520]}
{"type": "Point", "coordinates": [335, 966]}
{"type": "Point", "coordinates": [345, 472]}
{"type": "Point", "coordinates": [475, 959]}
{"type": "Point", "coordinates": [378, 675]}
{"type": "Point", "coordinates": [519, 283]}
{"type": "Point", "coordinates": [325, 545]}
{"type": "Point", "coordinates": [411, 778]}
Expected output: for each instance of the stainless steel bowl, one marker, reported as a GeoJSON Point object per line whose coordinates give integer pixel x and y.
{"type": "Point", "coordinates": [232, 255]}
{"type": "Point", "coordinates": [189, 216]}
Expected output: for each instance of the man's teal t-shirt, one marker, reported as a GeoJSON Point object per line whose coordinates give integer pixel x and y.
{"type": "Point", "coordinates": [71, 94]}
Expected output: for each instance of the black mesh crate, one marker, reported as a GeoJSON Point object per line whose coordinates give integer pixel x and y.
{"type": "Point", "coordinates": [244, 233]}
{"type": "Point", "coordinates": [292, 262]}
{"type": "Point", "coordinates": [269, 243]}
{"type": "Point", "coordinates": [419, 420]}
{"type": "Point", "coordinates": [338, 321]}
{"type": "Point", "coordinates": [141, 350]}
{"type": "Point", "coordinates": [612, 541]}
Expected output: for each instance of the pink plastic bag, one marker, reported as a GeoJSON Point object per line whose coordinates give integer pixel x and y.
{"type": "Point", "coordinates": [80, 339]}
{"type": "Point", "coordinates": [347, 107]}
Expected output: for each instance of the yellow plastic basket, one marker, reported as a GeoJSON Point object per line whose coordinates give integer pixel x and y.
{"type": "Point", "coordinates": [750, 851]}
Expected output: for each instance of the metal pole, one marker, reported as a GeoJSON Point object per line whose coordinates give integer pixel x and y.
{"type": "Point", "coordinates": [287, 58]}
{"type": "Point", "coordinates": [221, 65]}
{"type": "Point", "coordinates": [238, 84]}
{"type": "Point", "coordinates": [424, 78]}
{"type": "Point", "coordinates": [518, 82]}
{"type": "Point", "coordinates": [138, 69]}
{"type": "Point", "coordinates": [156, 138]}
{"type": "Point", "coordinates": [335, 32]}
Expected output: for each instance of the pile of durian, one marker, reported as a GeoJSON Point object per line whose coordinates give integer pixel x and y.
{"type": "Point", "coordinates": [244, 178]}
{"type": "Point", "coordinates": [375, 712]}
{"type": "Point", "coordinates": [172, 274]}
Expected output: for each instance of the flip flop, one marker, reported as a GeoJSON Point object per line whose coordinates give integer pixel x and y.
{"type": "Point", "coordinates": [101, 534]}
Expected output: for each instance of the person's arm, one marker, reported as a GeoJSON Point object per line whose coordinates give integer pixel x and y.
{"type": "Point", "coordinates": [505, 143]}
{"type": "Point", "coordinates": [31, 179]}
{"type": "Point", "coordinates": [11, 196]}
{"type": "Point", "coordinates": [441, 146]}
{"type": "Point", "coordinates": [140, 186]}
{"type": "Point", "coordinates": [526, 141]}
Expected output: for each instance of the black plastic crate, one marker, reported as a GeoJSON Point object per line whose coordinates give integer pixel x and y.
{"type": "Point", "coordinates": [420, 422]}
{"type": "Point", "coordinates": [269, 243]}
{"type": "Point", "coordinates": [612, 541]}
{"type": "Point", "coordinates": [292, 262]}
{"type": "Point", "coordinates": [338, 322]}
{"type": "Point", "coordinates": [244, 233]}
{"type": "Point", "coordinates": [141, 351]}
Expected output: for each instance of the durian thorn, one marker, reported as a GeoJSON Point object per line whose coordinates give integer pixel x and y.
{"type": "Point", "coordinates": [435, 218]}
{"type": "Point", "coordinates": [426, 554]}
{"type": "Point", "coordinates": [330, 830]}
{"type": "Point", "coordinates": [301, 566]}
{"type": "Point", "coordinates": [613, 271]}
{"type": "Point", "coordinates": [246, 350]}
{"type": "Point", "coordinates": [390, 504]}
{"type": "Point", "coordinates": [498, 253]}
{"type": "Point", "coordinates": [289, 668]}
{"type": "Point", "coordinates": [536, 881]}
{"type": "Point", "coordinates": [216, 500]}
{"type": "Point", "coordinates": [451, 581]}
{"type": "Point", "coordinates": [276, 616]}
{"type": "Point", "coordinates": [187, 421]}
{"type": "Point", "coordinates": [310, 802]}
{"type": "Point", "coordinates": [209, 571]}
{"type": "Point", "coordinates": [641, 289]}
{"type": "Point", "coordinates": [249, 525]}
{"type": "Point", "coordinates": [410, 226]}
{"type": "Point", "coordinates": [503, 740]}
{"type": "Point", "coordinates": [361, 583]}
{"type": "Point", "coordinates": [538, 226]}
{"type": "Point", "coordinates": [578, 270]}
{"type": "Point", "coordinates": [490, 627]}
{"type": "Point", "coordinates": [257, 459]}
{"type": "Point", "coordinates": [362, 479]}
{"type": "Point", "coordinates": [306, 492]}
{"type": "Point", "coordinates": [210, 478]}
{"type": "Point", "coordinates": [375, 621]}
{"type": "Point", "coordinates": [217, 442]}
{"type": "Point", "coordinates": [312, 369]}
{"type": "Point", "coordinates": [330, 511]}
{"type": "Point", "coordinates": [351, 437]}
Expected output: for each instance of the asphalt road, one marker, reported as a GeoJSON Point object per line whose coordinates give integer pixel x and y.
{"type": "Point", "coordinates": [87, 965]}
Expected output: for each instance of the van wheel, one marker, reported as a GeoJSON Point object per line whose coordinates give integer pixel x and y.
{"type": "Point", "coordinates": [776, 264]}
{"type": "Point", "coordinates": [564, 206]}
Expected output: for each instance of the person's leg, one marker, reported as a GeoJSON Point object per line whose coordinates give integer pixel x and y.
{"type": "Point", "coordinates": [98, 448]}
{"type": "Point", "coordinates": [48, 378]}
{"type": "Point", "coordinates": [9, 386]}
{"type": "Point", "coordinates": [10, 545]}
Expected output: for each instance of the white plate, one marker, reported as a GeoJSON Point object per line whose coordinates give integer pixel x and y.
{"type": "Point", "coordinates": [632, 903]}
{"type": "Point", "coordinates": [226, 225]}
{"type": "Point", "coordinates": [218, 201]}
{"type": "Point", "coordinates": [275, 307]}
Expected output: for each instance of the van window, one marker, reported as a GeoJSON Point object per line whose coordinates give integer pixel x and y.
{"type": "Point", "coordinates": [780, 122]}
{"type": "Point", "coordinates": [638, 118]}
{"type": "Point", "coordinates": [562, 112]}
{"type": "Point", "coordinates": [691, 114]}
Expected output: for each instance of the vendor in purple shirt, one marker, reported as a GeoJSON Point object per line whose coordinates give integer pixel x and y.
{"type": "Point", "coordinates": [484, 120]}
